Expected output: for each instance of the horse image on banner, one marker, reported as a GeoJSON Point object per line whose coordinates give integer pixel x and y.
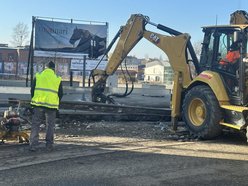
{"type": "Point", "coordinates": [84, 41]}
{"type": "Point", "coordinates": [61, 37]}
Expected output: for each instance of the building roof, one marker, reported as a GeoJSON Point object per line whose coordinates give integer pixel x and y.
{"type": "Point", "coordinates": [158, 62]}
{"type": "Point", "coordinates": [7, 48]}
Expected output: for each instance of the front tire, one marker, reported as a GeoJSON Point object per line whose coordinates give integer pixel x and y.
{"type": "Point", "coordinates": [202, 113]}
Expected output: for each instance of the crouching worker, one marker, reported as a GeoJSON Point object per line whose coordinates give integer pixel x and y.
{"type": "Point", "coordinates": [46, 93]}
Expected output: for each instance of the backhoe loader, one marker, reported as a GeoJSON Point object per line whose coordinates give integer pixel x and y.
{"type": "Point", "coordinates": [214, 96]}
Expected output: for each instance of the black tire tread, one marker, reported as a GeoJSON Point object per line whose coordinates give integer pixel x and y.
{"type": "Point", "coordinates": [209, 129]}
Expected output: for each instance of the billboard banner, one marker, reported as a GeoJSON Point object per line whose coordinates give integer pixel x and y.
{"type": "Point", "coordinates": [88, 39]}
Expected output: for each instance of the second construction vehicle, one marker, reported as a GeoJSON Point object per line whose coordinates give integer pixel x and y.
{"type": "Point", "coordinates": [207, 94]}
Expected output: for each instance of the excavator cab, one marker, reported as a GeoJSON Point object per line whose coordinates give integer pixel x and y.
{"type": "Point", "coordinates": [217, 43]}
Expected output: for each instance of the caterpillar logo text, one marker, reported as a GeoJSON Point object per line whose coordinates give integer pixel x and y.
{"type": "Point", "coordinates": [154, 38]}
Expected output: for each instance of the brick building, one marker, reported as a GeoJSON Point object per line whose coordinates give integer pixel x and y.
{"type": "Point", "coordinates": [8, 60]}
{"type": "Point", "coordinates": [14, 63]}
{"type": "Point", "coordinates": [22, 61]}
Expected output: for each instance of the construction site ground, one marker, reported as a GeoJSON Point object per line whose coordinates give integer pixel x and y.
{"type": "Point", "coordinates": [106, 152]}
{"type": "Point", "coordinates": [126, 153]}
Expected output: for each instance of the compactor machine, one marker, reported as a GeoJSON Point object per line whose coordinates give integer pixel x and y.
{"type": "Point", "coordinates": [10, 127]}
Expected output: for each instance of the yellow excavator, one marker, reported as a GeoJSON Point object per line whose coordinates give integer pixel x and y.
{"type": "Point", "coordinates": [206, 95]}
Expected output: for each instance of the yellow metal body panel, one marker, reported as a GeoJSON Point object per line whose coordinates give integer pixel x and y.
{"type": "Point", "coordinates": [231, 125]}
{"type": "Point", "coordinates": [215, 83]}
{"type": "Point", "coordinates": [234, 108]}
{"type": "Point", "coordinates": [176, 96]}
{"type": "Point", "coordinates": [175, 48]}
{"type": "Point", "coordinates": [131, 34]}
{"type": "Point", "coordinates": [4, 135]}
{"type": "Point", "coordinates": [239, 17]}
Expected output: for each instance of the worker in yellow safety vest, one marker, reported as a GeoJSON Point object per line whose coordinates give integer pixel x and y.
{"type": "Point", "coordinates": [46, 93]}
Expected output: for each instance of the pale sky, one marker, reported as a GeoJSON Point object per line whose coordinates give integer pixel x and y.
{"type": "Point", "coordinates": [185, 16]}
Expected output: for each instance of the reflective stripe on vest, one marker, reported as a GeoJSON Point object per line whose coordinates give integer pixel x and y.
{"type": "Point", "coordinates": [46, 89]}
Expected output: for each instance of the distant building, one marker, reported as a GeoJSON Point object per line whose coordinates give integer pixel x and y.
{"type": "Point", "coordinates": [159, 72]}
{"type": "Point", "coordinates": [14, 63]}
{"type": "Point", "coordinates": [130, 64]}
{"type": "Point", "coordinates": [141, 70]}
{"type": "Point", "coordinates": [8, 61]}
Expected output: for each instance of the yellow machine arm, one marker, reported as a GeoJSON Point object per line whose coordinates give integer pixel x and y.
{"type": "Point", "coordinates": [129, 35]}
{"type": "Point", "coordinates": [239, 17]}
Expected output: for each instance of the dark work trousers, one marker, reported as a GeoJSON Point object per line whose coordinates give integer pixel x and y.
{"type": "Point", "coordinates": [37, 120]}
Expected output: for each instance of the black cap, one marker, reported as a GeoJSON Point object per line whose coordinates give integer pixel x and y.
{"type": "Point", "coordinates": [51, 65]}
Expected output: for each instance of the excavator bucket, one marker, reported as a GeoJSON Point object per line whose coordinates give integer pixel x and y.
{"type": "Point", "coordinates": [239, 17]}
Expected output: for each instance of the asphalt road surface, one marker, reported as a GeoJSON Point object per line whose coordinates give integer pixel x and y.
{"type": "Point", "coordinates": [130, 154]}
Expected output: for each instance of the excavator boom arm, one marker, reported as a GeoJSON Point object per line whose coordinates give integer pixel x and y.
{"type": "Point", "coordinates": [239, 17]}
{"type": "Point", "coordinates": [129, 35]}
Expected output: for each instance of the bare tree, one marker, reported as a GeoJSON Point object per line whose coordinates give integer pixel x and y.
{"type": "Point", "coordinates": [197, 46]}
{"type": "Point", "coordinates": [20, 34]}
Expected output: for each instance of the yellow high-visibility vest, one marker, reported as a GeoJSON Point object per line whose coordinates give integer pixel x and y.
{"type": "Point", "coordinates": [46, 89]}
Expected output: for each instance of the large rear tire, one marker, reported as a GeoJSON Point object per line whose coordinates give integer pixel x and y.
{"type": "Point", "coordinates": [202, 113]}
